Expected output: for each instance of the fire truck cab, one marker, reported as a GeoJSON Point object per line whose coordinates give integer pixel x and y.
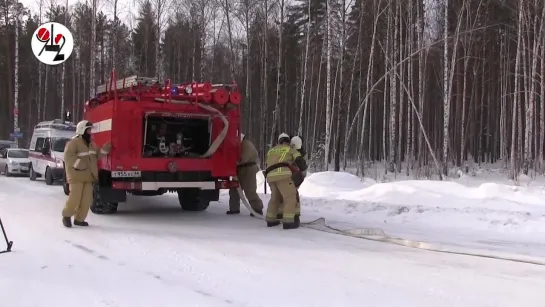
{"type": "Point", "coordinates": [165, 137]}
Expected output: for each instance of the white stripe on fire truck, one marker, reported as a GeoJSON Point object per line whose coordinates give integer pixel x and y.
{"type": "Point", "coordinates": [205, 185]}
{"type": "Point", "coordinates": [102, 126]}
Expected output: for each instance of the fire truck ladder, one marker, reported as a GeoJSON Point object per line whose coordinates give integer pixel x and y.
{"type": "Point", "coordinates": [127, 82]}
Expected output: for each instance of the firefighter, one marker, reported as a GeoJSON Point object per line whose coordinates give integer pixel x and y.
{"type": "Point", "coordinates": [81, 164]}
{"type": "Point", "coordinates": [246, 170]}
{"type": "Point", "coordinates": [283, 164]}
{"type": "Point", "coordinates": [297, 143]}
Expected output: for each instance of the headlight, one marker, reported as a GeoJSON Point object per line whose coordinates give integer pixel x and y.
{"type": "Point", "coordinates": [13, 162]}
{"type": "Point", "coordinates": [188, 89]}
{"type": "Point", "coordinates": [59, 162]}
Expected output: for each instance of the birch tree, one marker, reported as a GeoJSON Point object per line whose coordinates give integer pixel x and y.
{"type": "Point", "coordinates": [16, 73]}
{"type": "Point", "coordinates": [327, 141]}
{"type": "Point", "coordinates": [274, 129]}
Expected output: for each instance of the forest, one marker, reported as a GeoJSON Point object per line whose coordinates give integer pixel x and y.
{"type": "Point", "coordinates": [420, 87]}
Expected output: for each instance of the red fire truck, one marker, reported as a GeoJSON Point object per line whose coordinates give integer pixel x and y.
{"type": "Point", "coordinates": [165, 137]}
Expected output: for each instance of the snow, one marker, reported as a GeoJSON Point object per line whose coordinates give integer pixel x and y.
{"type": "Point", "coordinates": [153, 254]}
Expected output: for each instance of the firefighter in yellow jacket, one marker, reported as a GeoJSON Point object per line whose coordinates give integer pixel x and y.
{"type": "Point", "coordinates": [246, 170]}
{"type": "Point", "coordinates": [297, 143]}
{"type": "Point", "coordinates": [284, 163]}
{"type": "Point", "coordinates": [81, 166]}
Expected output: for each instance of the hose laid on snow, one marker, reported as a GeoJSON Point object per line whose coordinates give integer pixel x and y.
{"type": "Point", "coordinates": [378, 235]}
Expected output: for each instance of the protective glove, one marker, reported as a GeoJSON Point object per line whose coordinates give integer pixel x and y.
{"type": "Point", "coordinates": [106, 148]}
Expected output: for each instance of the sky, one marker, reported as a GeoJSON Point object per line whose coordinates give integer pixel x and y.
{"type": "Point", "coordinates": [124, 6]}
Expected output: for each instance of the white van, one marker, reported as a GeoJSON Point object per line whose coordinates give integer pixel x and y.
{"type": "Point", "coordinates": [47, 149]}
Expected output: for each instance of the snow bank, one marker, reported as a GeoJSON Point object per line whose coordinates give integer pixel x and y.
{"type": "Point", "coordinates": [331, 185]}
{"type": "Point", "coordinates": [442, 194]}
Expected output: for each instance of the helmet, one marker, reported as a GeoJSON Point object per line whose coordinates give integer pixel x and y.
{"type": "Point", "coordinates": [296, 142]}
{"type": "Point", "coordinates": [283, 137]}
{"type": "Point", "coordinates": [82, 126]}
{"type": "Point", "coordinates": [242, 136]}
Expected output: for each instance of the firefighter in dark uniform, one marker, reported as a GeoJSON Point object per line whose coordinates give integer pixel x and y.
{"type": "Point", "coordinates": [81, 165]}
{"type": "Point", "coordinates": [283, 173]}
{"type": "Point", "coordinates": [246, 170]}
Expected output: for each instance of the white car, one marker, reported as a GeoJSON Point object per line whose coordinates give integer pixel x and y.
{"type": "Point", "coordinates": [14, 161]}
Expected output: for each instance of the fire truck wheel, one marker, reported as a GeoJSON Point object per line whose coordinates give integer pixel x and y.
{"type": "Point", "coordinates": [190, 201]}
{"type": "Point", "coordinates": [48, 176]}
{"type": "Point", "coordinates": [101, 207]}
{"type": "Point", "coordinates": [32, 174]}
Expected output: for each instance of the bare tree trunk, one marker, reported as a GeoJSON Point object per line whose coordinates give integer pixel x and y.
{"type": "Point", "coordinates": [542, 100]}
{"type": "Point", "coordinates": [114, 36]}
{"type": "Point", "coordinates": [513, 174]}
{"type": "Point", "coordinates": [354, 61]}
{"type": "Point", "coordinates": [92, 43]}
{"type": "Point", "coordinates": [410, 142]}
{"type": "Point", "coordinates": [44, 112]}
{"type": "Point", "coordinates": [274, 129]}
{"type": "Point", "coordinates": [328, 85]}
{"type": "Point", "coordinates": [303, 88]}
{"type": "Point", "coordinates": [64, 65]}
{"type": "Point", "coordinates": [392, 54]}
{"type": "Point", "coordinates": [265, 109]}
{"type": "Point", "coordinates": [16, 76]}
{"type": "Point", "coordinates": [341, 103]}
{"type": "Point", "coordinates": [446, 87]}
{"type": "Point", "coordinates": [40, 74]}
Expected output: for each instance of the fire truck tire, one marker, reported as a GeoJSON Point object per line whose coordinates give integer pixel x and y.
{"type": "Point", "coordinates": [190, 201]}
{"type": "Point", "coordinates": [101, 207]}
{"type": "Point", "coordinates": [32, 174]}
{"type": "Point", "coordinates": [48, 177]}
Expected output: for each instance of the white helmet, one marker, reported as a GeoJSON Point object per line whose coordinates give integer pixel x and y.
{"type": "Point", "coordinates": [82, 126]}
{"type": "Point", "coordinates": [296, 142]}
{"type": "Point", "coordinates": [242, 136]}
{"type": "Point", "coordinates": [283, 135]}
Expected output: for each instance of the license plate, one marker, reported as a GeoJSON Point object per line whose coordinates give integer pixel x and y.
{"type": "Point", "coordinates": [126, 174]}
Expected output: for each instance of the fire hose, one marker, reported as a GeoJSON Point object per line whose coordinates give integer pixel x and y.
{"type": "Point", "coordinates": [221, 136]}
{"type": "Point", "coordinates": [378, 235]}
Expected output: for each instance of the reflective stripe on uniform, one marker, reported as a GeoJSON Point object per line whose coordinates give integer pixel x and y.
{"type": "Point", "coordinates": [271, 216]}
{"type": "Point", "coordinates": [92, 152]}
{"type": "Point", "coordinates": [102, 151]}
{"type": "Point", "coordinates": [76, 164]}
{"type": "Point", "coordinates": [83, 154]}
{"type": "Point", "coordinates": [283, 152]}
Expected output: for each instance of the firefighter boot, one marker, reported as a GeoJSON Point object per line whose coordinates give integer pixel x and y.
{"type": "Point", "coordinates": [296, 223]}
{"type": "Point", "coordinates": [231, 212]}
{"type": "Point", "coordinates": [280, 216]}
{"type": "Point", "coordinates": [67, 222]}
{"type": "Point", "coordinates": [78, 223]}
{"type": "Point", "coordinates": [272, 224]}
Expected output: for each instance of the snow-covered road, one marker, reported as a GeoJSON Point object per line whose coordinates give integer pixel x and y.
{"type": "Point", "coordinates": [153, 254]}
